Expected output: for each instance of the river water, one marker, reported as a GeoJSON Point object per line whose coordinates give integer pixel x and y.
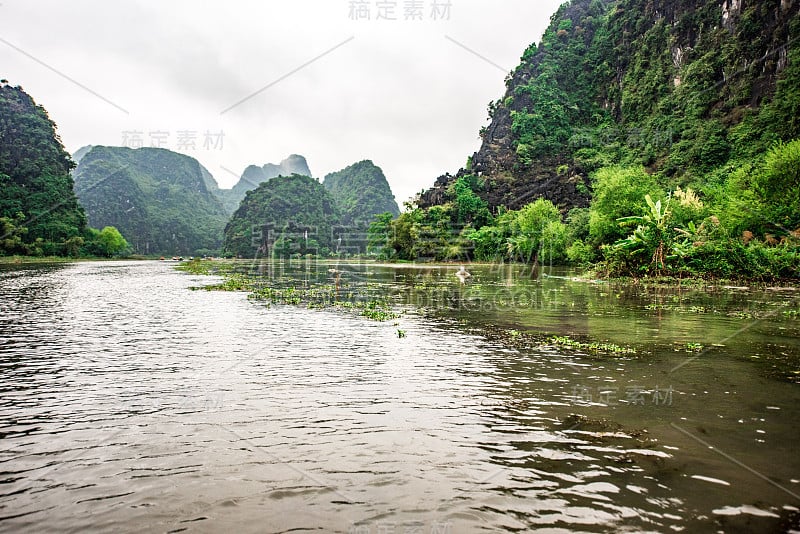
{"type": "Point", "coordinates": [130, 403]}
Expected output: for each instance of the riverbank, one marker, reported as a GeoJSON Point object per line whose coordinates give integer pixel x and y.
{"type": "Point", "coordinates": [18, 260]}
{"type": "Point", "coordinates": [21, 260]}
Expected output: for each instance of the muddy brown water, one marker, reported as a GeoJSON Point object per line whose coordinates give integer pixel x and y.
{"type": "Point", "coordinates": [130, 403]}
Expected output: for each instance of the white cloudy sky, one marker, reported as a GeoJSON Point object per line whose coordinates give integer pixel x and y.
{"type": "Point", "coordinates": [402, 93]}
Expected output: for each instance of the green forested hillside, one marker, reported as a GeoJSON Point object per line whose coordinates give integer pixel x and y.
{"type": "Point", "coordinates": [284, 216]}
{"type": "Point", "coordinates": [665, 134]}
{"type": "Point", "coordinates": [39, 213]}
{"type": "Point", "coordinates": [160, 200]}
{"type": "Point", "coordinates": [361, 192]}
{"type": "Point", "coordinates": [681, 87]}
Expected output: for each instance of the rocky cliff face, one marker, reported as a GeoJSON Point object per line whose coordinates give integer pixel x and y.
{"type": "Point", "coordinates": [679, 86]}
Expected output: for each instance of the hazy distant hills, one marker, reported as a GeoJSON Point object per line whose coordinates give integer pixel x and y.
{"type": "Point", "coordinates": [254, 175]}
{"type": "Point", "coordinates": [78, 155]}
{"type": "Point", "coordinates": [167, 203]}
{"type": "Point", "coordinates": [161, 201]}
{"type": "Point", "coordinates": [361, 191]}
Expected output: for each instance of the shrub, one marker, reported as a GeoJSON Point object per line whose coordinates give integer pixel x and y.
{"type": "Point", "coordinates": [618, 192]}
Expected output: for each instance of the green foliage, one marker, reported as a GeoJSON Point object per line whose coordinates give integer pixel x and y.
{"type": "Point", "coordinates": [469, 207]}
{"type": "Point", "coordinates": [733, 258]}
{"type": "Point", "coordinates": [533, 233]}
{"type": "Point", "coordinates": [761, 196]}
{"type": "Point", "coordinates": [562, 93]}
{"type": "Point", "coordinates": [683, 234]}
{"type": "Point", "coordinates": [594, 347]}
{"type": "Point", "coordinates": [106, 243]}
{"type": "Point", "coordinates": [618, 192]}
{"type": "Point", "coordinates": [158, 199]}
{"type": "Point", "coordinates": [12, 234]}
{"type": "Point", "coordinates": [553, 244]}
{"type": "Point", "coordinates": [361, 191]}
{"type": "Point", "coordinates": [431, 233]}
{"type": "Point", "coordinates": [537, 227]}
{"type": "Point", "coordinates": [652, 242]}
{"type": "Point", "coordinates": [491, 241]}
{"type": "Point", "coordinates": [39, 213]}
{"type": "Point", "coordinates": [402, 235]}
{"type": "Point", "coordinates": [779, 119]}
{"type": "Point", "coordinates": [578, 223]}
{"type": "Point", "coordinates": [285, 216]}
{"type": "Point", "coordinates": [579, 253]}
{"type": "Point", "coordinates": [379, 235]}
{"type": "Point", "coordinates": [778, 185]}
{"type": "Point", "coordinates": [739, 206]}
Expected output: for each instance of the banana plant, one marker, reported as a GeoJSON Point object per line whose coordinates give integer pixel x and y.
{"type": "Point", "coordinates": [651, 234]}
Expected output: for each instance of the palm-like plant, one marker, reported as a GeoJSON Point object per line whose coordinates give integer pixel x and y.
{"type": "Point", "coordinates": [651, 234]}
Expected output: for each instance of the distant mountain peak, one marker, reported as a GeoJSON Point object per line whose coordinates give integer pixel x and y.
{"type": "Point", "coordinates": [82, 151]}
{"type": "Point", "coordinates": [254, 175]}
{"type": "Point", "coordinates": [295, 164]}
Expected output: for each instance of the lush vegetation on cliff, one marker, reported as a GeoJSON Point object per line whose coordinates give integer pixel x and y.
{"type": "Point", "coordinates": [39, 213]}
{"type": "Point", "coordinates": [285, 216]}
{"type": "Point", "coordinates": [665, 135]}
{"type": "Point", "coordinates": [361, 192]}
{"type": "Point", "coordinates": [160, 200]}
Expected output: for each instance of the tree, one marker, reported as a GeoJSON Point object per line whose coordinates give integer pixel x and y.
{"type": "Point", "coordinates": [379, 234]}
{"type": "Point", "coordinates": [534, 228]}
{"type": "Point", "coordinates": [105, 243]}
{"type": "Point", "coordinates": [778, 184]}
{"type": "Point", "coordinates": [12, 233]}
{"type": "Point", "coordinates": [112, 241]}
{"type": "Point", "coordinates": [469, 207]}
{"type": "Point", "coordinates": [35, 178]}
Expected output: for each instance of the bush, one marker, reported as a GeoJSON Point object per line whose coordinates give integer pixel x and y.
{"type": "Point", "coordinates": [532, 232]}
{"type": "Point", "coordinates": [618, 192]}
{"type": "Point", "coordinates": [778, 184]}
{"type": "Point", "coordinates": [732, 258]}
{"type": "Point", "coordinates": [553, 243]}
{"type": "Point", "coordinates": [579, 253]}
{"type": "Point", "coordinates": [105, 243]}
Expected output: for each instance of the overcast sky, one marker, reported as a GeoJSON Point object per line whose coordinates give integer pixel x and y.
{"type": "Point", "coordinates": [252, 82]}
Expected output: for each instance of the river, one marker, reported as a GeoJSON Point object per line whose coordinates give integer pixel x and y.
{"type": "Point", "coordinates": [132, 403]}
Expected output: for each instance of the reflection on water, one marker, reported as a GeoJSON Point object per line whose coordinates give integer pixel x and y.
{"type": "Point", "coordinates": [130, 403]}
